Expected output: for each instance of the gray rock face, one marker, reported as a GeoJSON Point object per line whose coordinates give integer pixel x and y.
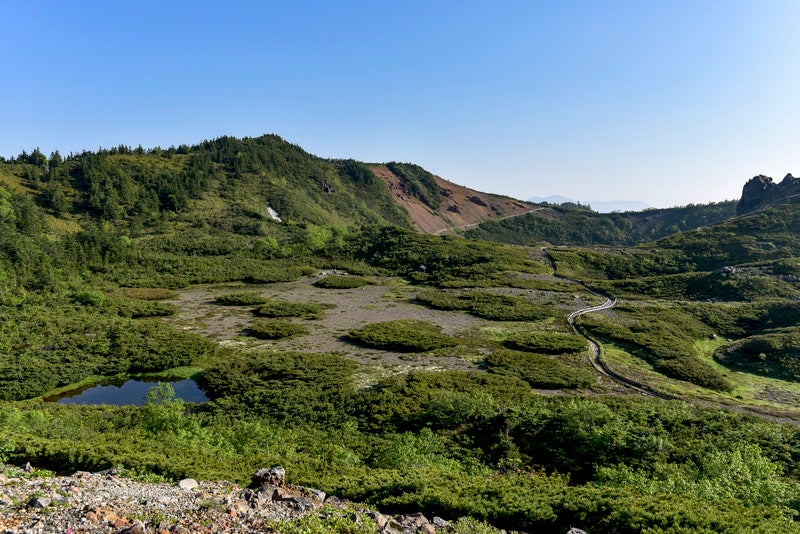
{"type": "Point", "coordinates": [762, 190]}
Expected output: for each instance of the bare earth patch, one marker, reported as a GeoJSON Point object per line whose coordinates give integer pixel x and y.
{"type": "Point", "coordinates": [350, 309]}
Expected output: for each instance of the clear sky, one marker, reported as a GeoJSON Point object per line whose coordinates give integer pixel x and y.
{"type": "Point", "coordinates": [668, 102]}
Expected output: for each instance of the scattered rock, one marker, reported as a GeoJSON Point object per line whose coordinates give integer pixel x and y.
{"type": "Point", "coordinates": [107, 503]}
{"type": "Point", "coordinates": [239, 507]}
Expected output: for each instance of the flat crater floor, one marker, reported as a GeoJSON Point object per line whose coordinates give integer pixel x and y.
{"type": "Point", "coordinates": [349, 309]}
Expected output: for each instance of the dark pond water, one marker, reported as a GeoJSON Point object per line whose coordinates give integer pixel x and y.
{"type": "Point", "coordinates": [131, 392]}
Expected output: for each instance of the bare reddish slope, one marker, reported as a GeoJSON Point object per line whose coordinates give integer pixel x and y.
{"type": "Point", "coordinates": [460, 207]}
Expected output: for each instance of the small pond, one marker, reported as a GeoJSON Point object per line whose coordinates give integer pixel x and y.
{"type": "Point", "coordinates": [128, 393]}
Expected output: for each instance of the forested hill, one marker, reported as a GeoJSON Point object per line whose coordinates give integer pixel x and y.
{"type": "Point", "coordinates": [572, 224]}
{"type": "Point", "coordinates": [230, 184]}
{"type": "Point", "coordinates": [226, 183]}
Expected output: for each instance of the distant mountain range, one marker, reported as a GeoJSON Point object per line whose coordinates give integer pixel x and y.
{"type": "Point", "coordinates": [600, 206]}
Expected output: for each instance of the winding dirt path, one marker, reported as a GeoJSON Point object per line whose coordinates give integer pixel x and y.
{"type": "Point", "coordinates": [595, 350]}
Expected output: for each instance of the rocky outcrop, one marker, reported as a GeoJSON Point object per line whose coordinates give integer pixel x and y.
{"type": "Point", "coordinates": [761, 190]}
{"type": "Point", "coordinates": [109, 503]}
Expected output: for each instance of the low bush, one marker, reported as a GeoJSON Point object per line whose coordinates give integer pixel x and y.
{"type": "Point", "coordinates": [282, 308]}
{"type": "Point", "coordinates": [775, 354]}
{"type": "Point", "coordinates": [249, 298]}
{"type": "Point", "coordinates": [538, 370]}
{"type": "Point", "coordinates": [89, 298]}
{"type": "Point", "coordinates": [136, 309]}
{"type": "Point", "coordinates": [269, 275]}
{"type": "Point", "coordinates": [276, 329]}
{"type": "Point", "coordinates": [486, 305]}
{"type": "Point", "coordinates": [148, 293]}
{"type": "Point", "coordinates": [404, 335]}
{"type": "Point", "coordinates": [284, 386]}
{"type": "Point", "coordinates": [663, 336]}
{"type": "Point", "coordinates": [342, 282]}
{"type": "Point", "coordinates": [546, 342]}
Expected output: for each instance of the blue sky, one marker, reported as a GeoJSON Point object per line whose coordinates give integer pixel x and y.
{"type": "Point", "coordinates": [667, 102]}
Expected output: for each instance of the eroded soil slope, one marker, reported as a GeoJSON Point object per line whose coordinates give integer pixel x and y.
{"type": "Point", "coordinates": [460, 207]}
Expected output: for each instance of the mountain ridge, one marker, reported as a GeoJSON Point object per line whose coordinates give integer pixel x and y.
{"type": "Point", "coordinates": [600, 206]}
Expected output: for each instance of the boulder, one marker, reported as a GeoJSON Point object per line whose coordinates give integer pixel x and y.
{"type": "Point", "coordinates": [438, 522]}
{"type": "Point", "coordinates": [136, 528]}
{"type": "Point", "coordinates": [188, 484]}
{"type": "Point", "coordinates": [314, 492]}
{"type": "Point", "coordinates": [274, 476]}
{"type": "Point", "coordinates": [260, 497]}
{"type": "Point", "coordinates": [380, 519]}
{"type": "Point", "coordinates": [39, 502]}
{"type": "Point", "coordinates": [304, 504]}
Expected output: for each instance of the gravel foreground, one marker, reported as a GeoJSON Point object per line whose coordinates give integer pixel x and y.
{"type": "Point", "coordinates": [106, 502]}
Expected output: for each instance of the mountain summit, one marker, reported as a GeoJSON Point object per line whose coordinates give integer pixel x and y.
{"type": "Point", "coordinates": [762, 190]}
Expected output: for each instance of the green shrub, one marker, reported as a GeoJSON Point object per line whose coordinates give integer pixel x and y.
{"type": "Point", "coordinates": [490, 306]}
{"type": "Point", "coordinates": [89, 298]}
{"type": "Point", "coordinates": [269, 275]}
{"type": "Point", "coordinates": [404, 335]}
{"type": "Point", "coordinates": [342, 282]}
{"type": "Point", "coordinates": [282, 308]}
{"type": "Point", "coordinates": [136, 309]}
{"type": "Point", "coordinates": [538, 370]}
{"type": "Point", "coordinates": [662, 335]}
{"type": "Point", "coordinates": [276, 329]}
{"type": "Point", "coordinates": [148, 293]}
{"type": "Point", "coordinates": [546, 342]}
{"type": "Point", "coordinates": [775, 354]}
{"type": "Point", "coordinates": [284, 386]}
{"type": "Point", "coordinates": [249, 298]}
